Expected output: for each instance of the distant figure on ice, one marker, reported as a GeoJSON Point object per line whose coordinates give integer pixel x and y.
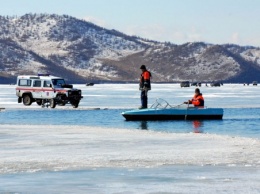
{"type": "Point", "coordinates": [144, 86]}
{"type": "Point", "coordinates": [197, 99]}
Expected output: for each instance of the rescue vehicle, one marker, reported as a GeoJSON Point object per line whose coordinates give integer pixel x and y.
{"type": "Point", "coordinates": [46, 90]}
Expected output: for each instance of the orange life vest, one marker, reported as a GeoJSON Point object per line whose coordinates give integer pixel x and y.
{"type": "Point", "coordinates": [198, 100]}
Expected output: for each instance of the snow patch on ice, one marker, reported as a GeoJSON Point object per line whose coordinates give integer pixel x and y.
{"type": "Point", "coordinates": [37, 147]}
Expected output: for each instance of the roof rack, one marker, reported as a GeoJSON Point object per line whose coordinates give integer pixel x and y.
{"type": "Point", "coordinates": [43, 74]}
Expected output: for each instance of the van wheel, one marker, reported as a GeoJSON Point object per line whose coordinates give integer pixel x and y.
{"type": "Point", "coordinates": [75, 104]}
{"type": "Point", "coordinates": [27, 100]}
{"type": "Point", "coordinates": [52, 103]}
{"type": "Point", "coordinates": [39, 102]}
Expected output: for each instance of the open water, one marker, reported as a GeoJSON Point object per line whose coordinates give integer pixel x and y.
{"type": "Point", "coordinates": [92, 149]}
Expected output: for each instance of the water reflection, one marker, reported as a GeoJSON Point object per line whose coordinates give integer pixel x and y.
{"type": "Point", "coordinates": [144, 125]}
{"type": "Point", "coordinates": [197, 126]}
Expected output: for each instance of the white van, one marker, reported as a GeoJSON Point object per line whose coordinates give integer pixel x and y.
{"type": "Point", "coordinates": [46, 90]}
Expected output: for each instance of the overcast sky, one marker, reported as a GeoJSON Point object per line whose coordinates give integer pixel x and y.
{"type": "Point", "coordinates": [176, 21]}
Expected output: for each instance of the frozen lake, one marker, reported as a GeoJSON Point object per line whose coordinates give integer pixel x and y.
{"type": "Point", "coordinates": [66, 150]}
{"type": "Point", "coordinates": [128, 95]}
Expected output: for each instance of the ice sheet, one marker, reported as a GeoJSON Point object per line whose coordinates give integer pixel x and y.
{"type": "Point", "coordinates": [45, 158]}
{"type": "Point", "coordinates": [167, 179]}
{"type": "Point", "coordinates": [30, 148]}
{"type": "Point", "coordinates": [128, 96]}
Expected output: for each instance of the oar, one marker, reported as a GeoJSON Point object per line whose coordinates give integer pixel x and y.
{"type": "Point", "coordinates": [177, 105]}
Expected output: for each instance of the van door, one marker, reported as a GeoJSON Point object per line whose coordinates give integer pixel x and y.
{"type": "Point", "coordinates": [48, 91]}
{"type": "Point", "coordinates": [37, 89]}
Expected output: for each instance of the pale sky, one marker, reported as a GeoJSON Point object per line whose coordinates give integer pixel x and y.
{"type": "Point", "coordinates": [176, 21]}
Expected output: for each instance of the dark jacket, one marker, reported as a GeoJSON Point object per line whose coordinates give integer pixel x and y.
{"type": "Point", "coordinates": [145, 82]}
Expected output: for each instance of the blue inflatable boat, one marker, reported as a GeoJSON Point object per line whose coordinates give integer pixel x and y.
{"type": "Point", "coordinates": [162, 110]}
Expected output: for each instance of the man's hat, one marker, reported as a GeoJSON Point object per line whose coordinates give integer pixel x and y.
{"type": "Point", "coordinates": [142, 67]}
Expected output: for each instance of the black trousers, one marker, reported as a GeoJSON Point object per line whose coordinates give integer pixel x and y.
{"type": "Point", "coordinates": [144, 98]}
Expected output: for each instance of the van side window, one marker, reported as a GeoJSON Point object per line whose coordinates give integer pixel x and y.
{"type": "Point", "coordinates": [46, 84]}
{"type": "Point", "coordinates": [25, 82]}
{"type": "Point", "coordinates": [37, 83]}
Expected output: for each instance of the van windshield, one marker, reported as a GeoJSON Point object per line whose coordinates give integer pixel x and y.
{"type": "Point", "coordinates": [58, 82]}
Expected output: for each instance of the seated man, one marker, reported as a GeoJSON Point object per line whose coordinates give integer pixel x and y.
{"type": "Point", "coordinates": [197, 100]}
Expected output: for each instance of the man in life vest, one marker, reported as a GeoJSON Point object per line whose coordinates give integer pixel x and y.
{"type": "Point", "coordinates": [197, 100]}
{"type": "Point", "coordinates": [144, 86]}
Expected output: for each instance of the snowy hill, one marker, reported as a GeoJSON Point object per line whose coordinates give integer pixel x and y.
{"type": "Point", "coordinates": [81, 51]}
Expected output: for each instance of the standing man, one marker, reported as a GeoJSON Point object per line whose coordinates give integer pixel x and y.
{"type": "Point", "coordinates": [145, 85]}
